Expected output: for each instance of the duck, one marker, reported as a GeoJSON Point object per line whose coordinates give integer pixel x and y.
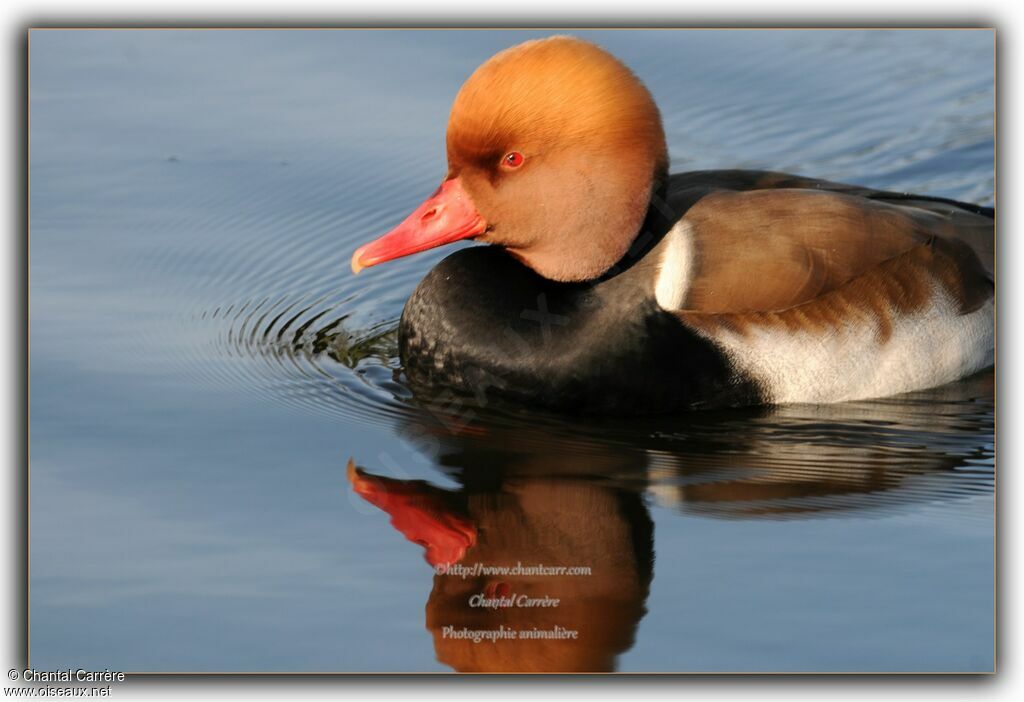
{"type": "Point", "coordinates": [607, 285]}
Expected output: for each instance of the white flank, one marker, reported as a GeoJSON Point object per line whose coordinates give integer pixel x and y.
{"type": "Point", "coordinates": [674, 274]}
{"type": "Point", "coordinates": [934, 346]}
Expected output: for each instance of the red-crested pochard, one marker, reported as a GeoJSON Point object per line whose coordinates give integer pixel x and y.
{"type": "Point", "coordinates": [611, 286]}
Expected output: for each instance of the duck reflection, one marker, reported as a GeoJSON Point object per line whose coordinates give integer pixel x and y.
{"type": "Point", "coordinates": [573, 497]}
{"type": "Point", "coordinates": [562, 563]}
{"type": "Point", "coordinates": [867, 457]}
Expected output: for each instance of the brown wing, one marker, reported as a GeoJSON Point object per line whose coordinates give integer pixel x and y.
{"type": "Point", "coordinates": [767, 241]}
{"type": "Point", "coordinates": [901, 284]}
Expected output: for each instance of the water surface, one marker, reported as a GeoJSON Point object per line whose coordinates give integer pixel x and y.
{"type": "Point", "coordinates": [204, 368]}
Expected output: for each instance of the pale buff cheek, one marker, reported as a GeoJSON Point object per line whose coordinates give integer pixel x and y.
{"type": "Point", "coordinates": [570, 218]}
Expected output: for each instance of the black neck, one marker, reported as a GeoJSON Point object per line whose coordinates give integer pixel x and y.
{"type": "Point", "coordinates": [658, 221]}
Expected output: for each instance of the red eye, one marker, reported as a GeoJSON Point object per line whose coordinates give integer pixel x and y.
{"type": "Point", "coordinates": [513, 159]}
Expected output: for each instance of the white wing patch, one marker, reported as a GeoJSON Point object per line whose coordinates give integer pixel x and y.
{"type": "Point", "coordinates": [675, 267]}
{"type": "Point", "coordinates": [928, 348]}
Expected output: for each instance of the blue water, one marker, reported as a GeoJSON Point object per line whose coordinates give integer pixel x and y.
{"type": "Point", "coordinates": [204, 366]}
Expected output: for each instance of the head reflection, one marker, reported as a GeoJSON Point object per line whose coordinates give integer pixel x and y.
{"type": "Point", "coordinates": [533, 572]}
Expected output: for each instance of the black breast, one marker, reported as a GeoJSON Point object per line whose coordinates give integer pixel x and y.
{"type": "Point", "coordinates": [484, 325]}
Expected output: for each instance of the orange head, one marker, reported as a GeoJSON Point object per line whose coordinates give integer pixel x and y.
{"type": "Point", "coordinates": [554, 147]}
